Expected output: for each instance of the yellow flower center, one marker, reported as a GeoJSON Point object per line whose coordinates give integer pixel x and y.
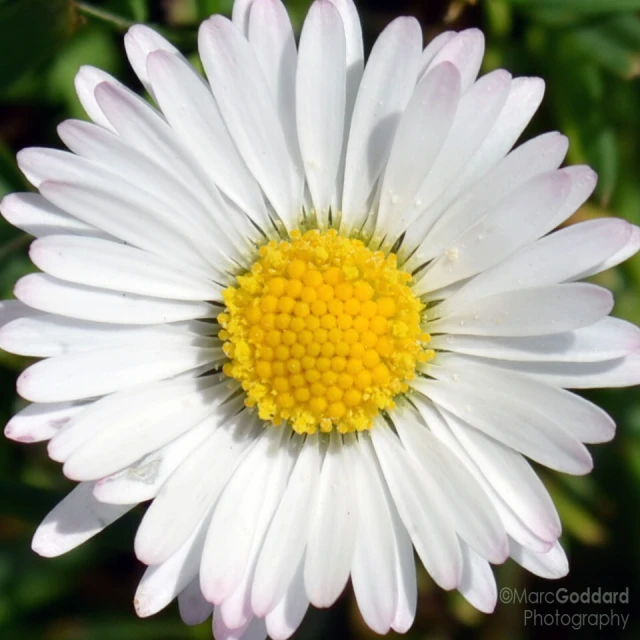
{"type": "Point", "coordinates": [322, 332]}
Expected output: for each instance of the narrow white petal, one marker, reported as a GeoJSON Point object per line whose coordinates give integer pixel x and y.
{"type": "Point", "coordinates": [450, 220]}
{"type": "Point", "coordinates": [477, 112]}
{"type": "Point", "coordinates": [433, 48]}
{"type": "Point", "coordinates": [606, 339]}
{"type": "Point", "coordinates": [38, 422]}
{"type": "Point", "coordinates": [621, 372]}
{"type": "Point", "coordinates": [161, 583]}
{"type": "Point", "coordinates": [44, 335]}
{"type": "Point", "coordinates": [240, 15]}
{"type": "Point", "coordinates": [525, 96]}
{"type": "Point", "coordinates": [46, 293]}
{"type": "Point", "coordinates": [119, 429]}
{"type": "Point", "coordinates": [509, 421]}
{"type": "Point", "coordinates": [283, 621]}
{"type": "Point", "coordinates": [630, 249]}
{"type": "Point", "coordinates": [73, 521]}
{"type": "Point", "coordinates": [407, 586]}
{"type": "Point", "coordinates": [332, 533]}
{"type": "Point", "coordinates": [518, 220]}
{"type": "Point", "coordinates": [11, 310]}
{"type": "Point", "coordinates": [583, 182]}
{"type": "Point", "coordinates": [422, 130]}
{"type": "Point", "coordinates": [550, 565]}
{"type": "Point", "coordinates": [192, 490]}
{"type": "Point", "coordinates": [143, 479]}
{"type": "Point", "coordinates": [474, 517]}
{"type": "Point", "coordinates": [255, 629]}
{"type": "Point", "coordinates": [139, 42]}
{"type": "Point", "coordinates": [421, 508]}
{"type": "Point", "coordinates": [286, 538]}
{"type": "Point", "coordinates": [38, 217]}
{"type": "Point", "coordinates": [236, 610]}
{"type": "Point", "coordinates": [523, 503]}
{"type": "Point", "coordinates": [194, 609]}
{"type": "Point", "coordinates": [373, 569]}
{"type": "Point", "coordinates": [465, 50]}
{"type": "Point", "coordinates": [235, 519]}
{"type": "Point", "coordinates": [86, 81]}
{"type": "Point", "coordinates": [195, 117]}
{"type": "Point", "coordinates": [271, 35]}
{"type": "Point", "coordinates": [537, 311]}
{"type": "Point", "coordinates": [320, 101]}
{"type": "Point", "coordinates": [109, 265]}
{"type": "Point", "coordinates": [385, 90]}
{"type": "Point", "coordinates": [248, 108]}
{"type": "Point", "coordinates": [579, 417]}
{"type": "Point", "coordinates": [478, 584]}
{"type": "Point", "coordinates": [556, 258]}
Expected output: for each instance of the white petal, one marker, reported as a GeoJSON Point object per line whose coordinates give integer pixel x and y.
{"type": "Point", "coordinates": [407, 587]}
{"type": "Point", "coordinates": [478, 584]}
{"type": "Point", "coordinates": [606, 339]}
{"type": "Point", "coordinates": [465, 50]}
{"type": "Point", "coordinates": [537, 311]}
{"type": "Point", "coordinates": [373, 569]}
{"type": "Point", "coordinates": [38, 217]}
{"type": "Point", "coordinates": [119, 429]}
{"type": "Point", "coordinates": [449, 221]}
{"type": "Point", "coordinates": [11, 310]}
{"type": "Point", "coordinates": [332, 533]}
{"type": "Point", "coordinates": [555, 258]}
{"type": "Point", "coordinates": [248, 108]}
{"type": "Point", "coordinates": [194, 609]}
{"type": "Point", "coordinates": [236, 610]}
{"type": "Point", "coordinates": [621, 372]}
{"type": "Point", "coordinates": [433, 48]}
{"type": "Point", "coordinates": [422, 130]}
{"type": "Point", "coordinates": [46, 335]}
{"type": "Point", "coordinates": [285, 618]}
{"type": "Point", "coordinates": [551, 565]}
{"type": "Point", "coordinates": [583, 182]}
{"type": "Point", "coordinates": [509, 421]}
{"type": "Point", "coordinates": [525, 96]}
{"type": "Point", "coordinates": [524, 505]}
{"type": "Point", "coordinates": [580, 418]}
{"type": "Point", "coordinates": [38, 422]}
{"type": "Point", "coordinates": [287, 535]}
{"type": "Point", "coordinates": [385, 90]}
{"type": "Point", "coordinates": [110, 265]}
{"type": "Point", "coordinates": [518, 220]}
{"type": "Point", "coordinates": [255, 629]}
{"type": "Point", "coordinates": [161, 583]}
{"type": "Point", "coordinates": [235, 519]}
{"type": "Point", "coordinates": [474, 517]}
{"type": "Point", "coordinates": [320, 101]}
{"type": "Point", "coordinates": [630, 249]}
{"type": "Point", "coordinates": [194, 116]}
{"type": "Point", "coordinates": [143, 479]}
{"type": "Point", "coordinates": [240, 15]}
{"type": "Point", "coordinates": [139, 42]}
{"type": "Point", "coordinates": [271, 35]}
{"type": "Point", "coordinates": [86, 81]}
{"type": "Point", "coordinates": [73, 521]}
{"type": "Point", "coordinates": [192, 490]}
{"type": "Point", "coordinates": [45, 293]}
{"type": "Point", "coordinates": [421, 509]}
{"type": "Point", "coordinates": [477, 112]}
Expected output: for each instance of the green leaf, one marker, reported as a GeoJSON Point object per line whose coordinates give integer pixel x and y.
{"type": "Point", "coordinates": [607, 51]}
{"type": "Point", "coordinates": [31, 31]}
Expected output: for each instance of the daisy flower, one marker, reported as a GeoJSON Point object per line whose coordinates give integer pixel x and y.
{"type": "Point", "coordinates": [316, 313]}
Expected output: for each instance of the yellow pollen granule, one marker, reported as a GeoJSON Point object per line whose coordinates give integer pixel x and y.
{"type": "Point", "coordinates": [322, 332]}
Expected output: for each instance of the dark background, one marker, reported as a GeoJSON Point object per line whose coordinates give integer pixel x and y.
{"type": "Point", "coordinates": [589, 53]}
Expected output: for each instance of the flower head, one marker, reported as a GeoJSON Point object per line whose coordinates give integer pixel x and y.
{"type": "Point", "coordinates": [317, 314]}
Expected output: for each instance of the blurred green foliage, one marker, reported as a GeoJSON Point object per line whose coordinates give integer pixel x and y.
{"type": "Point", "coordinates": [588, 51]}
